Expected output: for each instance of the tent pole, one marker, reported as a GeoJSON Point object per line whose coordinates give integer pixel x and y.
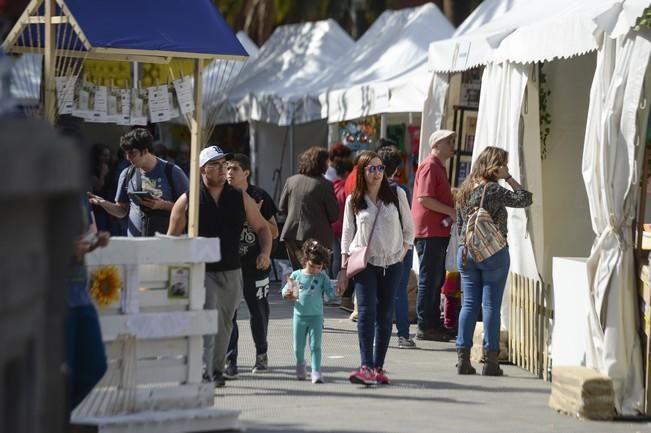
{"type": "Point", "coordinates": [292, 156]}
{"type": "Point", "coordinates": [49, 95]}
{"type": "Point", "coordinates": [195, 145]}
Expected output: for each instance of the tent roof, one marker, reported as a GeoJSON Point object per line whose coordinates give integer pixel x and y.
{"type": "Point", "coordinates": [386, 71]}
{"type": "Point", "coordinates": [100, 28]}
{"type": "Point", "coordinates": [275, 86]}
{"type": "Point", "coordinates": [535, 31]}
{"type": "Point", "coordinates": [248, 44]}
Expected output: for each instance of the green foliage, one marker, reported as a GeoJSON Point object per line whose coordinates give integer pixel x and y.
{"type": "Point", "coordinates": [644, 20]}
{"type": "Point", "coordinates": [545, 116]}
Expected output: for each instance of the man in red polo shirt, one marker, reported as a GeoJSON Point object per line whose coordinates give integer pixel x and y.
{"type": "Point", "coordinates": [433, 213]}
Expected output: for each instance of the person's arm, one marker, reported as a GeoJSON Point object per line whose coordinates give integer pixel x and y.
{"type": "Point", "coordinates": [118, 210]}
{"type": "Point", "coordinates": [273, 227]}
{"type": "Point", "coordinates": [259, 225]}
{"type": "Point", "coordinates": [408, 231]}
{"type": "Point", "coordinates": [347, 235]}
{"type": "Point", "coordinates": [519, 197]}
{"type": "Point", "coordinates": [433, 204]}
{"type": "Point", "coordinates": [331, 205]}
{"type": "Point", "coordinates": [178, 218]}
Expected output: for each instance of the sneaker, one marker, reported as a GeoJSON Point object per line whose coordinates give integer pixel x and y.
{"type": "Point", "coordinates": [380, 377]}
{"type": "Point", "coordinates": [353, 316]}
{"type": "Point", "coordinates": [347, 304]}
{"type": "Point", "coordinates": [451, 333]}
{"type": "Point", "coordinates": [230, 373]}
{"type": "Point", "coordinates": [316, 377]}
{"type": "Point", "coordinates": [300, 371]}
{"type": "Point", "coordinates": [363, 376]}
{"type": "Point", "coordinates": [432, 335]}
{"type": "Point", "coordinates": [406, 343]}
{"type": "Point", "coordinates": [218, 378]}
{"type": "Point", "coordinates": [261, 364]}
{"type": "Point", "coordinates": [205, 377]}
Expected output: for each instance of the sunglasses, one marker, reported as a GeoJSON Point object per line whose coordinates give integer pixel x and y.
{"type": "Point", "coordinates": [373, 168]}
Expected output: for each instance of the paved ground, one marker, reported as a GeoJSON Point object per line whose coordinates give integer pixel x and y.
{"type": "Point", "coordinates": [426, 395]}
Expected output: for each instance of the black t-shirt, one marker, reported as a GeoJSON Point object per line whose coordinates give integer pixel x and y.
{"type": "Point", "coordinates": [249, 246]}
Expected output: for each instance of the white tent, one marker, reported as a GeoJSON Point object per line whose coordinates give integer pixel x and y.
{"type": "Point", "coordinates": [247, 43]}
{"type": "Point", "coordinates": [386, 71]}
{"type": "Point", "coordinates": [274, 93]}
{"type": "Point", "coordinates": [555, 32]}
{"type": "Point", "coordinates": [277, 86]}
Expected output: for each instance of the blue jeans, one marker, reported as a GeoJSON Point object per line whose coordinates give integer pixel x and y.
{"type": "Point", "coordinates": [400, 303]}
{"type": "Point", "coordinates": [375, 288]}
{"type": "Point", "coordinates": [85, 354]}
{"type": "Point", "coordinates": [483, 286]}
{"type": "Point", "coordinates": [431, 276]}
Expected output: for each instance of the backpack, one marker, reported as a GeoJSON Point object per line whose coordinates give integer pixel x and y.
{"type": "Point", "coordinates": [482, 238]}
{"type": "Point", "coordinates": [153, 220]}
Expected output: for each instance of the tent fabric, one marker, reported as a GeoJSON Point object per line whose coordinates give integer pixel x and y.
{"type": "Point", "coordinates": [386, 71]}
{"type": "Point", "coordinates": [433, 112]}
{"type": "Point", "coordinates": [277, 86]}
{"type": "Point", "coordinates": [250, 46]}
{"type": "Point", "coordinates": [612, 162]}
{"type": "Point", "coordinates": [503, 85]}
{"type": "Point", "coordinates": [533, 31]}
{"type": "Point", "coordinates": [170, 26]}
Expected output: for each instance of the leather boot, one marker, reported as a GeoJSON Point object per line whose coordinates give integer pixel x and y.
{"type": "Point", "coordinates": [492, 365]}
{"type": "Point", "coordinates": [463, 363]}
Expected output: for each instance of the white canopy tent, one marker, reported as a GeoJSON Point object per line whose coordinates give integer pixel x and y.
{"type": "Point", "coordinates": [386, 71]}
{"type": "Point", "coordinates": [274, 93]}
{"type": "Point", "coordinates": [539, 31]}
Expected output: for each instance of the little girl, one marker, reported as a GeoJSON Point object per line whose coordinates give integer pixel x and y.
{"type": "Point", "coordinates": [307, 286]}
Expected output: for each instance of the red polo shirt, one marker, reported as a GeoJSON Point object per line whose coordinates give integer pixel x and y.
{"type": "Point", "coordinates": [431, 181]}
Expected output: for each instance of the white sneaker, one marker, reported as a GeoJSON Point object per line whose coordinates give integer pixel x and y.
{"type": "Point", "coordinates": [406, 343]}
{"type": "Point", "coordinates": [316, 377]}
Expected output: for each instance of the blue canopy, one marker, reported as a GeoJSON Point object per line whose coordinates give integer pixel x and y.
{"type": "Point", "coordinates": [177, 28]}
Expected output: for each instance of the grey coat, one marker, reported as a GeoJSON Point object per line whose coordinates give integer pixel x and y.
{"type": "Point", "coordinates": [311, 207]}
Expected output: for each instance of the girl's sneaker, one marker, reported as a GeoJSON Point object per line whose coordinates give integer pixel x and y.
{"type": "Point", "coordinates": [363, 376]}
{"type": "Point", "coordinates": [380, 377]}
{"type": "Point", "coordinates": [300, 371]}
{"type": "Point", "coordinates": [316, 377]}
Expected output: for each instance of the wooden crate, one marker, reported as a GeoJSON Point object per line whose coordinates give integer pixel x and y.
{"type": "Point", "coordinates": [154, 342]}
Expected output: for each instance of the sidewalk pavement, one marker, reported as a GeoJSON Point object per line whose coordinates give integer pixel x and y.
{"type": "Point", "coordinates": [426, 394]}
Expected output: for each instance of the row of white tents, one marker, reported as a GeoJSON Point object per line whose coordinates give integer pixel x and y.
{"type": "Point", "coordinates": [595, 66]}
{"type": "Point", "coordinates": [309, 75]}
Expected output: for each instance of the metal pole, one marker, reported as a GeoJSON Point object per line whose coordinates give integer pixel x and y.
{"type": "Point", "coordinates": [292, 156]}
{"type": "Point", "coordinates": [195, 147]}
{"type": "Point", "coordinates": [49, 66]}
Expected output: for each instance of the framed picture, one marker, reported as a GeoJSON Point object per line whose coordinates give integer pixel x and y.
{"type": "Point", "coordinates": [469, 130]}
{"type": "Point", "coordinates": [178, 282]}
{"type": "Point", "coordinates": [463, 169]}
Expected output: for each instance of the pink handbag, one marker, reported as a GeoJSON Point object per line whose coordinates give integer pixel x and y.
{"type": "Point", "coordinates": [358, 258]}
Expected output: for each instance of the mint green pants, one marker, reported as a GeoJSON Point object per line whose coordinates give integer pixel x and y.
{"type": "Point", "coordinates": [304, 326]}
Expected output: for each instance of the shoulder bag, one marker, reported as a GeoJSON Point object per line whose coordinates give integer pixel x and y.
{"type": "Point", "coordinates": [482, 238]}
{"type": "Point", "coordinates": [358, 258]}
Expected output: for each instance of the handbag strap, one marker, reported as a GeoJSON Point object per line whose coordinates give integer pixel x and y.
{"type": "Point", "coordinates": [370, 236]}
{"type": "Point", "coordinates": [481, 204]}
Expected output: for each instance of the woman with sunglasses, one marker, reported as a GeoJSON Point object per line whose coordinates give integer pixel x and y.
{"type": "Point", "coordinates": [375, 286]}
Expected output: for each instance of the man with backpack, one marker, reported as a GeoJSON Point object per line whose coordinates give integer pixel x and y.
{"type": "Point", "coordinates": [147, 189]}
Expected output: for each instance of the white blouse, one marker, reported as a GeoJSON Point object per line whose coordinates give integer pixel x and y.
{"type": "Point", "coordinates": [388, 239]}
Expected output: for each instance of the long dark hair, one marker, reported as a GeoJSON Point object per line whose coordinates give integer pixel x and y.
{"type": "Point", "coordinates": [484, 169]}
{"type": "Point", "coordinates": [386, 194]}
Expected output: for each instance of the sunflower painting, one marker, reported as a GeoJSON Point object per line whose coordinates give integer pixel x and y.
{"type": "Point", "coordinates": [105, 285]}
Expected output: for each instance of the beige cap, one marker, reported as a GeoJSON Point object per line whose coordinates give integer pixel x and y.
{"type": "Point", "coordinates": [439, 135]}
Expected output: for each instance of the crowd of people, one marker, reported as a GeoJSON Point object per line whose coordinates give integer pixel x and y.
{"type": "Point", "coordinates": [357, 226]}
